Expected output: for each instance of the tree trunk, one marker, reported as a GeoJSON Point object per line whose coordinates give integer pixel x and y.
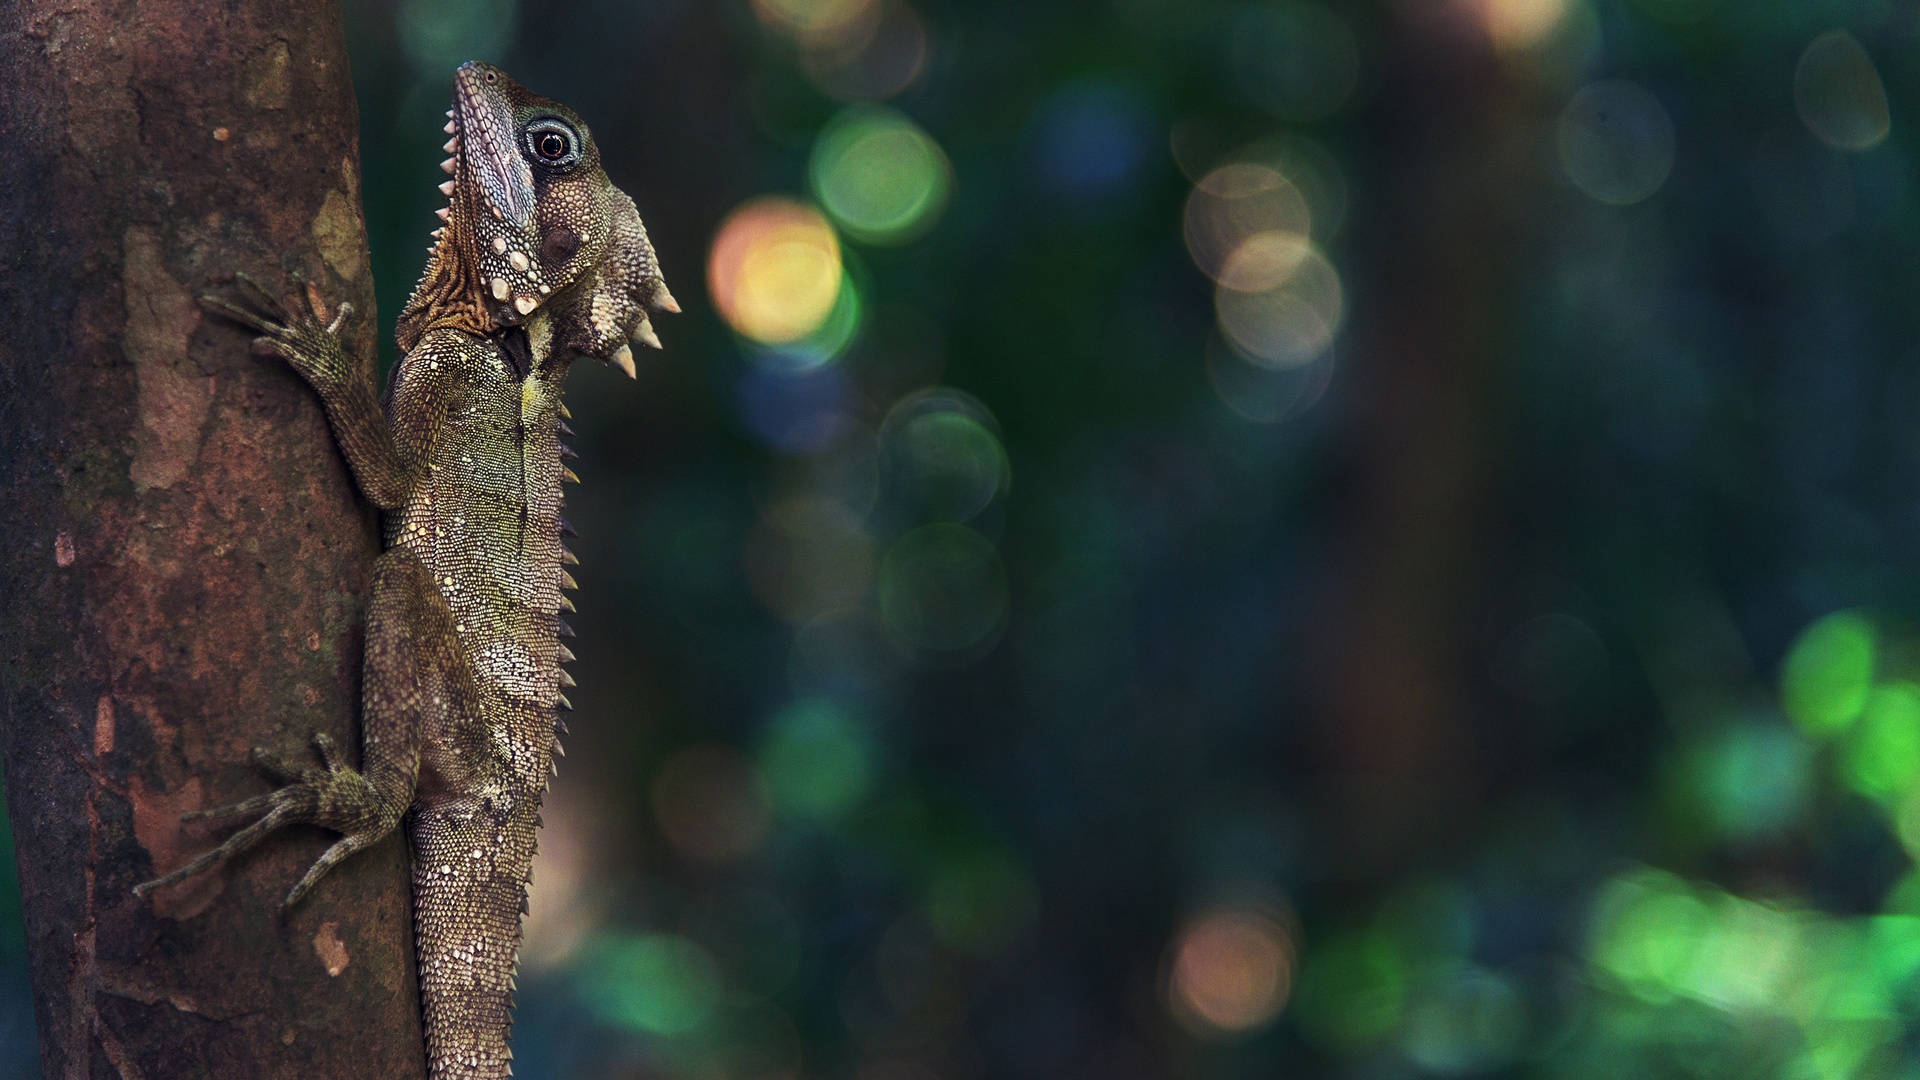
{"type": "Point", "coordinates": [1454, 148]}
{"type": "Point", "coordinates": [186, 556]}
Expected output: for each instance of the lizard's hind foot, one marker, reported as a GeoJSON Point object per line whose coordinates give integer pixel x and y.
{"type": "Point", "coordinates": [334, 797]}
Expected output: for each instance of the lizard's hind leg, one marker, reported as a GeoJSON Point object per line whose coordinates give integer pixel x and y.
{"type": "Point", "coordinates": [415, 677]}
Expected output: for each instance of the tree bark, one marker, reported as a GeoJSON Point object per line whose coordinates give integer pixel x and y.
{"type": "Point", "coordinates": [185, 554]}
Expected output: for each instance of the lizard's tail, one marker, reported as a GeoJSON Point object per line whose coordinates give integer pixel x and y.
{"type": "Point", "coordinates": [471, 865]}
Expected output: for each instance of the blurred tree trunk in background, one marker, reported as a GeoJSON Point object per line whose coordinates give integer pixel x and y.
{"type": "Point", "coordinates": [1452, 150]}
{"type": "Point", "coordinates": [185, 554]}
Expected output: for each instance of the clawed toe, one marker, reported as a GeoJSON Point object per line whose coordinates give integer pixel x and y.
{"type": "Point", "coordinates": [245, 806]}
{"type": "Point", "coordinates": [329, 750]}
{"type": "Point", "coordinates": [316, 304]}
{"type": "Point", "coordinates": [346, 309]}
{"type": "Point", "coordinates": [277, 767]}
{"type": "Point", "coordinates": [282, 810]}
{"type": "Point", "coordinates": [253, 320]}
{"type": "Point", "coordinates": [346, 846]}
{"type": "Point", "coordinates": [259, 297]}
{"type": "Point", "coordinates": [258, 309]}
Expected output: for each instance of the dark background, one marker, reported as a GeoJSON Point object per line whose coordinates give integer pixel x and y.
{"type": "Point", "coordinates": [1060, 666]}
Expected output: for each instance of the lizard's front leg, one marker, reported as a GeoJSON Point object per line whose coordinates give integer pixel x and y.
{"type": "Point", "coordinates": [416, 680]}
{"type": "Point", "coordinates": [311, 344]}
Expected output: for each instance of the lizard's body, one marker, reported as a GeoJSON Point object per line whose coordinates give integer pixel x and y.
{"type": "Point", "coordinates": [540, 260]}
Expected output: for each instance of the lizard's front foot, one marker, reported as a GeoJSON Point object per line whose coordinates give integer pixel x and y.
{"type": "Point", "coordinates": [308, 340]}
{"type": "Point", "coordinates": [334, 797]}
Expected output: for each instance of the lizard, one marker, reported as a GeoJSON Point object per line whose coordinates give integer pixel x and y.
{"type": "Point", "coordinates": [539, 259]}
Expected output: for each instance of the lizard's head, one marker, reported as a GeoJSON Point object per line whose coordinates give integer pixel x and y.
{"type": "Point", "coordinates": [533, 222]}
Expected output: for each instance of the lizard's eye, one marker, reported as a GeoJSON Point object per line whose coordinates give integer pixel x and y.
{"type": "Point", "coordinates": [553, 144]}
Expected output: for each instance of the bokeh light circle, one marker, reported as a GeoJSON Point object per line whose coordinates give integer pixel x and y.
{"type": "Point", "coordinates": [1261, 393]}
{"type": "Point", "coordinates": [820, 24]}
{"type": "Point", "coordinates": [775, 271]}
{"type": "Point", "coordinates": [815, 761]}
{"type": "Point", "coordinates": [942, 591]}
{"type": "Point", "coordinates": [882, 57]}
{"type": "Point", "coordinates": [1467, 1020]}
{"type": "Point", "coordinates": [1316, 174]}
{"type": "Point", "coordinates": [1616, 142]}
{"type": "Point", "coordinates": [1838, 93]}
{"type": "Point", "coordinates": [1238, 201]}
{"type": "Point", "coordinates": [1827, 677]}
{"type": "Point", "coordinates": [1351, 990]}
{"type": "Point", "coordinates": [1203, 145]}
{"type": "Point", "coordinates": [1264, 261]}
{"type": "Point", "coordinates": [1232, 971]}
{"type": "Point", "coordinates": [831, 339]}
{"type": "Point", "coordinates": [438, 34]}
{"type": "Point", "coordinates": [1881, 757]}
{"type": "Point", "coordinates": [1523, 24]}
{"type": "Point", "coordinates": [657, 983]}
{"type": "Point", "coordinates": [1751, 781]}
{"type": "Point", "coordinates": [1280, 301]}
{"type": "Point", "coordinates": [883, 179]}
{"type": "Point", "coordinates": [1660, 937]}
{"type": "Point", "coordinates": [942, 455]}
{"type": "Point", "coordinates": [957, 459]}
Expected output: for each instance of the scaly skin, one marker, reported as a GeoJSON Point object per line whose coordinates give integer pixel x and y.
{"type": "Point", "coordinates": [541, 259]}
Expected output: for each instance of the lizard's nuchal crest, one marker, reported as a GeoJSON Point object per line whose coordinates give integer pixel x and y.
{"type": "Point", "coordinates": [539, 259]}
